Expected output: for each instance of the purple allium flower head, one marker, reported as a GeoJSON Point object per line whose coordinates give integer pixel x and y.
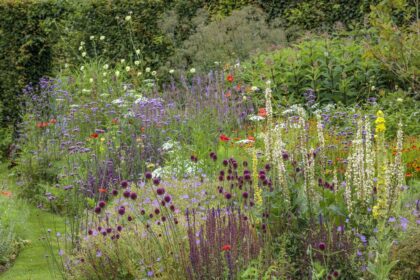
{"type": "Point", "coordinates": [121, 210]}
{"type": "Point", "coordinates": [124, 184]}
{"type": "Point", "coordinates": [160, 191]}
{"type": "Point", "coordinates": [167, 198]}
{"type": "Point", "coordinates": [133, 195]}
{"type": "Point", "coordinates": [156, 181]}
{"type": "Point", "coordinates": [245, 195]}
{"type": "Point", "coordinates": [114, 192]}
{"type": "Point", "coordinates": [228, 195]}
{"type": "Point", "coordinates": [148, 175]}
{"type": "Point", "coordinates": [102, 204]}
{"type": "Point", "coordinates": [126, 194]}
{"type": "Point", "coordinates": [97, 209]}
{"type": "Point", "coordinates": [321, 246]}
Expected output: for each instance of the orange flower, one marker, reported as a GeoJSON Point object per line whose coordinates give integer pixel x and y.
{"type": "Point", "coordinates": [228, 94]}
{"type": "Point", "coordinates": [226, 247]}
{"type": "Point", "coordinates": [262, 112]}
{"type": "Point", "coordinates": [6, 193]}
{"type": "Point", "coordinates": [102, 190]}
{"type": "Point", "coordinates": [94, 135]}
{"type": "Point", "coordinates": [114, 121]}
{"type": "Point", "coordinates": [238, 87]}
{"type": "Point", "coordinates": [53, 121]}
{"type": "Point", "coordinates": [230, 78]}
{"type": "Point", "coordinates": [251, 138]}
{"type": "Point", "coordinates": [408, 175]}
{"type": "Point", "coordinates": [142, 129]}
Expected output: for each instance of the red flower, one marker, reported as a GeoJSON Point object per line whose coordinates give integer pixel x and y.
{"type": "Point", "coordinates": [226, 247]}
{"type": "Point", "coordinates": [102, 190]}
{"type": "Point", "coordinates": [224, 138]}
{"type": "Point", "coordinates": [262, 112]}
{"type": "Point", "coordinates": [230, 78]}
{"type": "Point", "coordinates": [53, 121]}
{"type": "Point", "coordinates": [94, 135]}
{"type": "Point", "coordinates": [251, 138]}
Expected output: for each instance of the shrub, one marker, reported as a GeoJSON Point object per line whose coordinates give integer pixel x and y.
{"type": "Point", "coordinates": [229, 39]}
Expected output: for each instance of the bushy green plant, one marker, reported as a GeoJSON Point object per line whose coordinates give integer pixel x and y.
{"type": "Point", "coordinates": [229, 39]}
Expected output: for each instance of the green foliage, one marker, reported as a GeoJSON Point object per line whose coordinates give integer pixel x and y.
{"type": "Point", "coordinates": [6, 140]}
{"type": "Point", "coordinates": [229, 39]}
{"type": "Point", "coordinates": [26, 41]}
{"type": "Point", "coordinates": [407, 252]}
{"type": "Point", "coordinates": [335, 68]}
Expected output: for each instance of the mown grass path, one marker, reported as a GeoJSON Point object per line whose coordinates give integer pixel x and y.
{"type": "Point", "coordinates": [32, 261]}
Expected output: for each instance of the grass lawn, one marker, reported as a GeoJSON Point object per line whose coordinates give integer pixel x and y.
{"type": "Point", "coordinates": [32, 261]}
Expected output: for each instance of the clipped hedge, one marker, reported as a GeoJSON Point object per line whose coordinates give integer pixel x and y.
{"type": "Point", "coordinates": [26, 41]}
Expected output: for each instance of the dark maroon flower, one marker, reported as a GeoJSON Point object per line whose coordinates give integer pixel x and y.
{"type": "Point", "coordinates": [114, 192]}
{"type": "Point", "coordinates": [129, 218]}
{"type": "Point", "coordinates": [172, 207]}
{"type": "Point", "coordinates": [163, 203]}
{"type": "Point", "coordinates": [102, 204]}
{"type": "Point", "coordinates": [133, 196]}
{"type": "Point", "coordinates": [321, 246]}
{"type": "Point", "coordinates": [336, 273]}
{"type": "Point", "coordinates": [267, 167]}
{"type": "Point", "coordinates": [262, 177]}
{"type": "Point", "coordinates": [247, 177]}
{"type": "Point", "coordinates": [126, 194]}
{"type": "Point", "coordinates": [163, 218]}
{"type": "Point", "coordinates": [97, 209]}
{"type": "Point", "coordinates": [228, 195]}
{"type": "Point", "coordinates": [167, 198]}
{"type": "Point", "coordinates": [160, 191]}
{"type": "Point", "coordinates": [245, 195]}
{"type": "Point", "coordinates": [90, 232]}
{"type": "Point", "coordinates": [225, 162]}
{"type": "Point", "coordinates": [176, 221]}
{"type": "Point", "coordinates": [150, 215]}
{"type": "Point", "coordinates": [156, 181]}
{"type": "Point", "coordinates": [124, 184]}
{"type": "Point", "coordinates": [222, 173]}
{"type": "Point", "coordinates": [157, 211]}
{"type": "Point", "coordinates": [142, 212]}
{"type": "Point", "coordinates": [119, 228]}
{"type": "Point", "coordinates": [104, 233]}
{"type": "Point", "coordinates": [109, 230]}
{"type": "Point", "coordinates": [121, 211]}
{"type": "Point", "coordinates": [221, 178]}
{"type": "Point", "coordinates": [148, 175]}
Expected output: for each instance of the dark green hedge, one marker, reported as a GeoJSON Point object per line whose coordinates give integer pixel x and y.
{"type": "Point", "coordinates": [26, 41]}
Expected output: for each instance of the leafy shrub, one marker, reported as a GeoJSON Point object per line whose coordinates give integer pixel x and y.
{"type": "Point", "coordinates": [229, 39]}
{"type": "Point", "coordinates": [335, 69]}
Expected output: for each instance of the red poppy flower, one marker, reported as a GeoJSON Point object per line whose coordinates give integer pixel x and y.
{"type": "Point", "coordinates": [224, 138]}
{"type": "Point", "coordinates": [226, 247]}
{"type": "Point", "coordinates": [53, 121]}
{"type": "Point", "coordinates": [102, 190]}
{"type": "Point", "coordinates": [94, 135]}
{"type": "Point", "coordinates": [39, 125]}
{"type": "Point", "coordinates": [251, 138]}
{"type": "Point", "coordinates": [262, 112]}
{"type": "Point", "coordinates": [230, 78]}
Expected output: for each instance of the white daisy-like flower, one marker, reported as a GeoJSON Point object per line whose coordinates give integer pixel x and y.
{"type": "Point", "coordinates": [83, 54]}
{"type": "Point", "coordinates": [86, 90]}
{"type": "Point", "coordinates": [254, 88]}
{"type": "Point", "coordinates": [82, 68]}
{"type": "Point", "coordinates": [147, 69]}
{"type": "Point", "coordinates": [118, 101]}
{"type": "Point", "coordinates": [74, 106]}
{"type": "Point", "coordinates": [154, 73]}
{"type": "Point", "coordinates": [127, 18]}
{"type": "Point", "coordinates": [106, 66]}
{"type": "Point", "coordinates": [192, 70]}
{"type": "Point", "coordinates": [91, 80]}
{"type": "Point", "coordinates": [102, 38]}
{"type": "Point", "coordinates": [171, 71]}
{"type": "Point", "coordinates": [256, 118]}
{"type": "Point", "coordinates": [92, 37]}
{"type": "Point", "coordinates": [400, 100]}
{"type": "Point", "coordinates": [137, 62]}
{"type": "Point", "coordinates": [137, 51]}
{"type": "Point", "coordinates": [104, 74]}
{"type": "Point", "coordinates": [244, 141]}
{"type": "Point", "coordinates": [80, 48]}
{"type": "Point", "coordinates": [117, 73]}
{"type": "Point", "coordinates": [82, 43]}
{"type": "Point", "coordinates": [139, 74]}
{"type": "Point", "coordinates": [128, 68]}
{"type": "Point", "coordinates": [122, 61]}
